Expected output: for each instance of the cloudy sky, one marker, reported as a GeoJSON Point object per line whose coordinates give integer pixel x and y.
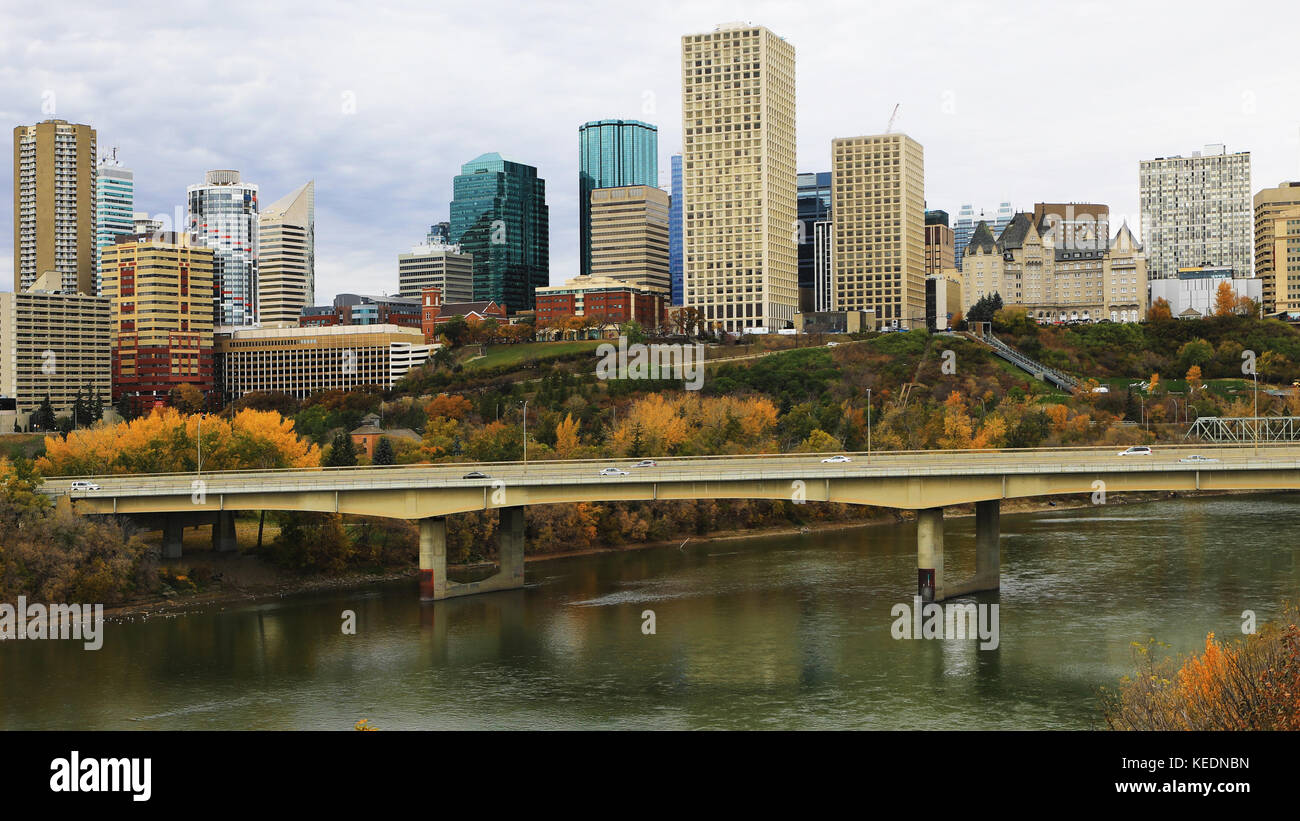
{"type": "Point", "coordinates": [381, 102]}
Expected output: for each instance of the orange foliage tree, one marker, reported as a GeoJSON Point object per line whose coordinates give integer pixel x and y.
{"type": "Point", "coordinates": [166, 441]}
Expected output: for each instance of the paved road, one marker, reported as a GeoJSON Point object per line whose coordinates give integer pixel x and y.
{"type": "Point", "coordinates": [695, 469]}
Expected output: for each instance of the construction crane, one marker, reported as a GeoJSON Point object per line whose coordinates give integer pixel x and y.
{"type": "Point", "coordinates": [889, 129]}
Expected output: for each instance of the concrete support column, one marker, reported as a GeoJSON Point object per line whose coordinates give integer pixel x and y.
{"type": "Point", "coordinates": [510, 547]}
{"type": "Point", "coordinates": [988, 531]}
{"type": "Point", "coordinates": [929, 554]}
{"type": "Point", "coordinates": [173, 535]}
{"type": "Point", "coordinates": [433, 558]}
{"type": "Point", "coordinates": [223, 532]}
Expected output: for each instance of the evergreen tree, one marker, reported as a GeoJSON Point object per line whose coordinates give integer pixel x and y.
{"type": "Point", "coordinates": [80, 412]}
{"type": "Point", "coordinates": [126, 408]}
{"type": "Point", "coordinates": [384, 454]}
{"type": "Point", "coordinates": [96, 406]}
{"type": "Point", "coordinates": [342, 452]}
{"type": "Point", "coordinates": [43, 418]}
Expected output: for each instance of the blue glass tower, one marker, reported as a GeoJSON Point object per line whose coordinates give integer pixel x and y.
{"type": "Point", "coordinates": [499, 214]}
{"type": "Point", "coordinates": [675, 232]}
{"type": "Point", "coordinates": [612, 154]}
{"type": "Point", "coordinates": [814, 204]}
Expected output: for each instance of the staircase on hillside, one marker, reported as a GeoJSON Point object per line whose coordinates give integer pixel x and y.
{"type": "Point", "coordinates": [1035, 369]}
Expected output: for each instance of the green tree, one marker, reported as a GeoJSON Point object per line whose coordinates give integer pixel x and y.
{"type": "Point", "coordinates": [44, 418]}
{"type": "Point", "coordinates": [384, 454]}
{"type": "Point", "coordinates": [342, 452]}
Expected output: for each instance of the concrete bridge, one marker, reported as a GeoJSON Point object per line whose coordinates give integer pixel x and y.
{"type": "Point", "coordinates": [923, 481]}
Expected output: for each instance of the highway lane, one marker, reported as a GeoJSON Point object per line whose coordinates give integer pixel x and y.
{"type": "Point", "coordinates": [697, 469]}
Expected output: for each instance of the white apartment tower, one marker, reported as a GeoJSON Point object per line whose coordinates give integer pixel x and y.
{"type": "Point", "coordinates": [286, 258]}
{"type": "Point", "coordinates": [739, 257]}
{"type": "Point", "coordinates": [1197, 211]}
{"type": "Point", "coordinates": [223, 216]}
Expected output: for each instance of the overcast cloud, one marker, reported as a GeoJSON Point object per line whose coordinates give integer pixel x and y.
{"type": "Point", "coordinates": [1018, 101]}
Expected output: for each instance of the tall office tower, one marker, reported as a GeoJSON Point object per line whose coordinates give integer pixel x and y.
{"type": "Point", "coordinates": [286, 258]}
{"type": "Point", "coordinates": [1277, 246]}
{"type": "Point", "coordinates": [223, 216]}
{"type": "Point", "coordinates": [939, 243]}
{"type": "Point", "coordinates": [499, 215]}
{"type": "Point", "coordinates": [813, 198]}
{"type": "Point", "coordinates": [54, 204]}
{"type": "Point", "coordinates": [740, 260]}
{"type": "Point", "coordinates": [629, 236]}
{"type": "Point", "coordinates": [159, 287]}
{"type": "Point", "coordinates": [878, 211]}
{"type": "Point", "coordinates": [964, 227]}
{"type": "Point", "coordinates": [1196, 211]}
{"type": "Point", "coordinates": [114, 204]}
{"type": "Point", "coordinates": [612, 154]}
{"type": "Point", "coordinates": [675, 232]}
{"type": "Point", "coordinates": [436, 265]}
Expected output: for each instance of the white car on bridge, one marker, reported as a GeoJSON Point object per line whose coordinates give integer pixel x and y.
{"type": "Point", "coordinates": [82, 484]}
{"type": "Point", "coordinates": [1136, 450]}
{"type": "Point", "coordinates": [837, 460]}
{"type": "Point", "coordinates": [614, 472]}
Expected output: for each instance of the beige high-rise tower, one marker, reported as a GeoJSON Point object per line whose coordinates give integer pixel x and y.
{"type": "Point", "coordinates": [629, 235]}
{"type": "Point", "coordinates": [286, 258]}
{"type": "Point", "coordinates": [739, 257]}
{"type": "Point", "coordinates": [878, 212]}
{"type": "Point", "coordinates": [54, 204]}
{"type": "Point", "coordinates": [1277, 246]}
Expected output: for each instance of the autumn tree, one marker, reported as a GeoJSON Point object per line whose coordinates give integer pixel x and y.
{"type": "Point", "coordinates": [1160, 310]}
{"type": "Point", "coordinates": [1225, 300]}
{"type": "Point", "coordinates": [186, 398]}
{"type": "Point", "coordinates": [166, 441]}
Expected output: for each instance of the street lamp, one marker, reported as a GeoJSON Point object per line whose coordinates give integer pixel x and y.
{"type": "Point", "coordinates": [525, 432]}
{"type": "Point", "coordinates": [868, 424]}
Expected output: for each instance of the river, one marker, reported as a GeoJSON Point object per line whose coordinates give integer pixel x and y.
{"type": "Point", "coordinates": [782, 632]}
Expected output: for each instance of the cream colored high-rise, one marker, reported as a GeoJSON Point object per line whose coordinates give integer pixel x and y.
{"type": "Point", "coordinates": [878, 211]}
{"type": "Point", "coordinates": [629, 235]}
{"type": "Point", "coordinates": [739, 258]}
{"type": "Point", "coordinates": [54, 204]}
{"type": "Point", "coordinates": [1277, 246]}
{"type": "Point", "coordinates": [286, 264]}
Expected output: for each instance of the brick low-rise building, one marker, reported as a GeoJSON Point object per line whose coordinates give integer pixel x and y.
{"type": "Point", "coordinates": [602, 298]}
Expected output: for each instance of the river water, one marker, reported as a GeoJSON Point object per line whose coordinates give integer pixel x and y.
{"type": "Point", "coordinates": [787, 632]}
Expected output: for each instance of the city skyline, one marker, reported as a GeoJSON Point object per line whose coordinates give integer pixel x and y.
{"type": "Point", "coordinates": [384, 160]}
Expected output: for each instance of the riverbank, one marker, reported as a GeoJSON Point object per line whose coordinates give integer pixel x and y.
{"type": "Point", "coordinates": [244, 578]}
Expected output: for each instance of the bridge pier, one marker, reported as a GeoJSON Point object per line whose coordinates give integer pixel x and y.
{"type": "Point", "coordinates": [223, 532]}
{"type": "Point", "coordinates": [173, 531]}
{"type": "Point", "coordinates": [434, 585]}
{"type": "Point", "coordinates": [929, 554]}
{"type": "Point", "coordinates": [433, 558]}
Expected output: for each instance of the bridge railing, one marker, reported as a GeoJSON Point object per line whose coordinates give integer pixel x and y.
{"type": "Point", "coordinates": [615, 461]}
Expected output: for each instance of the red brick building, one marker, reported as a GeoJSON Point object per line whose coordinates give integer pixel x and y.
{"type": "Point", "coordinates": [601, 298]}
{"type": "Point", "coordinates": [434, 311]}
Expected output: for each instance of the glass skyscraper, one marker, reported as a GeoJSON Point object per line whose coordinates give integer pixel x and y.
{"type": "Point", "coordinates": [964, 228]}
{"type": "Point", "coordinates": [675, 232]}
{"type": "Point", "coordinates": [114, 208]}
{"type": "Point", "coordinates": [814, 203]}
{"type": "Point", "coordinates": [612, 154]}
{"type": "Point", "coordinates": [499, 214]}
{"type": "Point", "coordinates": [223, 216]}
